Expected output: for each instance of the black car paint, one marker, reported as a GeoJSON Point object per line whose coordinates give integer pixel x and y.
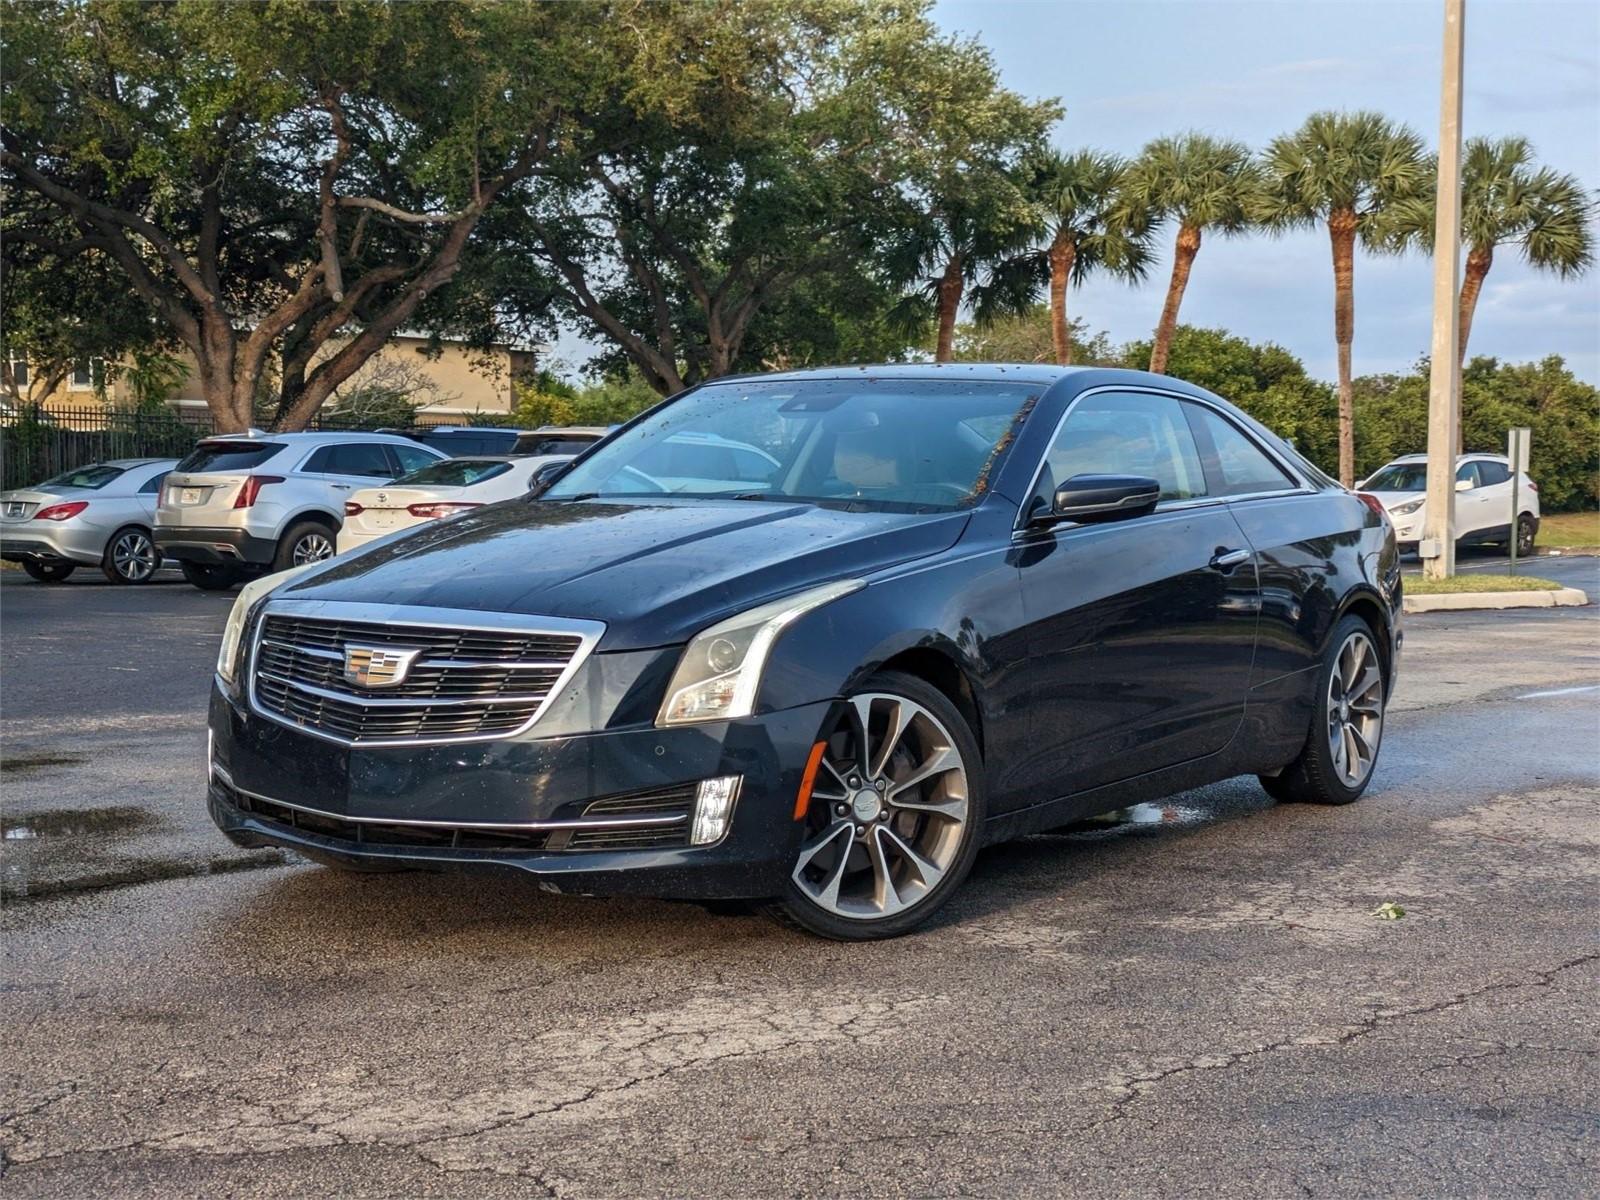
{"type": "Point", "coordinates": [1099, 664]}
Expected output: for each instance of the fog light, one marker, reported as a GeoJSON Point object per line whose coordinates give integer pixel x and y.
{"type": "Point", "coordinates": [713, 808]}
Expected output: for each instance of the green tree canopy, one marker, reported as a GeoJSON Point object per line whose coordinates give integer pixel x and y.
{"type": "Point", "coordinates": [269, 176]}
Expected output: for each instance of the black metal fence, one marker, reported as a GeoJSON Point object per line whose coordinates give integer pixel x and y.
{"type": "Point", "coordinates": [36, 443]}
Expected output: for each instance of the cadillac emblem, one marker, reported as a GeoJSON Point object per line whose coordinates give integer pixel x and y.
{"type": "Point", "coordinates": [377, 666]}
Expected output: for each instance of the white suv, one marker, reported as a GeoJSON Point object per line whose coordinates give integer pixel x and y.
{"type": "Point", "coordinates": [243, 504]}
{"type": "Point", "coordinates": [1483, 500]}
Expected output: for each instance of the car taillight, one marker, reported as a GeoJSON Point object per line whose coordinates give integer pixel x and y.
{"type": "Point", "coordinates": [252, 488]}
{"type": "Point", "coordinates": [1374, 504]}
{"type": "Point", "coordinates": [1531, 486]}
{"type": "Point", "coordinates": [352, 509]}
{"type": "Point", "coordinates": [437, 510]}
{"type": "Point", "coordinates": [61, 512]}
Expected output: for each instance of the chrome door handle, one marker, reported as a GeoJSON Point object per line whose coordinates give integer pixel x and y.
{"type": "Point", "coordinates": [1226, 560]}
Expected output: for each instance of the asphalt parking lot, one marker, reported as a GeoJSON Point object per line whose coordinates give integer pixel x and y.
{"type": "Point", "coordinates": [1192, 998]}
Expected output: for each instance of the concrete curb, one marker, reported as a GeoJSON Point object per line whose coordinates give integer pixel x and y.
{"type": "Point", "coordinates": [1454, 602]}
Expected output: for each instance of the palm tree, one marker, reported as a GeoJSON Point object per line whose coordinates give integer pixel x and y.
{"type": "Point", "coordinates": [1351, 172]}
{"type": "Point", "coordinates": [1504, 200]}
{"type": "Point", "coordinates": [1082, 226]}
{"type": "Point", "coordinates": [1201, 183]}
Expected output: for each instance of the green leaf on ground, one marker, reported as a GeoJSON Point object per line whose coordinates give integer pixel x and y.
{"type": "Point", "coordinates": [1388, 911]}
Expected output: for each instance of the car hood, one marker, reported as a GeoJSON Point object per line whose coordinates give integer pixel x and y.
{"type": "Point", "coordinates": [1390, 499]}
{"type": "Point", "coordinates": [655, 572]}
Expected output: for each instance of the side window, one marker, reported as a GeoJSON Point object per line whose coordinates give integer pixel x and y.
{"type": "Point", "coordinates": [152, 486]}
{"type": "Point", "coordinates": [1469, 472]}
{"type": "Point", "coordinates": [1126, 433]}
{"type": "Point", "coordinates": [411, 459]}
{"type": "Point", "coordinates": [1491, 472]}
{"type": "Point", "coordinates": [359, 458]}
{"type": "Point", "coordinates": [1237, 465]}
{"type": "Point", "coordinates": [317, 464]}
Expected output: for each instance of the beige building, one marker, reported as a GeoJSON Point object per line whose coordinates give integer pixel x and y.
{"type": "Point", "coordinates": [447, 378]}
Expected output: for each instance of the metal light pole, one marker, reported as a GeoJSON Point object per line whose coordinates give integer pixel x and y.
{"type": "Point", "coordinates": [1438, 543]}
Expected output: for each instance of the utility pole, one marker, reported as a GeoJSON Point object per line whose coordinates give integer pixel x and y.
{"type": "Point", "coordinates": [1438, 543]}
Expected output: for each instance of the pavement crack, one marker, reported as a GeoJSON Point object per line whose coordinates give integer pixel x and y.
{"type": "Point", "coordinates": [1132, 1089]}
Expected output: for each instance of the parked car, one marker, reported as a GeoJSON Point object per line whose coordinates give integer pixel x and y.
{"type": "Point", "coordinates": [560, 439]}
{"type": "Point", "coordinates": [1483, 500]}
{"type": "Point", "coordinates": [461, 441]}
{"type": "Point", "coordinates": [439, 490]}
{"type": "Point", "coordinates": [243, 504]}
{"type": "Point", "coordinates": [99, 515]}
{"type": "Point", "coordinates": [968, 603]}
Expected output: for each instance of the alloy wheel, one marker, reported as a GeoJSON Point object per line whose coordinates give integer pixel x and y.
{"type": "Point", "coordinates": [1355, 709]}
{"type": "Point", "coordinates": [888, 811]}
{"type": "Point", "coordinates": [1524, 537]}
{"type": "Point", "coordinates": [312, 548]}
{"type": "Point", "coordinates": [133, 556]}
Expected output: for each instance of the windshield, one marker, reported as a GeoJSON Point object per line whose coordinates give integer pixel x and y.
{"type": "Point", "coordinates": [1402, 477]}
{"type": "Point", "coordinates": [82, 477]}
{"type": "Point", "coordinates": [909, 445]}
{"type": "Point", "coordinates": [454, 472]}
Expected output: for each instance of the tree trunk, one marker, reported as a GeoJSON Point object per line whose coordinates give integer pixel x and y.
{"type": "Point", "coordinates": [1479, 260]}
{"type": "Point", "coordinates": [1062, 255]}
{"type": "Point", "coordinates": [950, 287]}
{"type": "Point", "coordinates": [1187, 246]}
{"type": "Point", "coordinates": [1342, 235]}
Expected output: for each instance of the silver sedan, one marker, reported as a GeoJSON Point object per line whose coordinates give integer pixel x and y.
{"type": "Point", "coordinates": [100, 515]}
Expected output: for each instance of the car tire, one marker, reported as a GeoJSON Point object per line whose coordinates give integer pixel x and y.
{"type": "Point", "coordinates": [48, 572]}
{"type": "Point", "coordinates": [211, 577]}
{"type": "Point", "coordinates": [1526, 535]}
{"type": "Point", "coordinates": [1341, 750]}
{"type": "Point", "coordinates": [304, 542]}
{"type": "Point", "coordinates": [878, 861]}
{"type": "Point", "coordinates": [131, 556]}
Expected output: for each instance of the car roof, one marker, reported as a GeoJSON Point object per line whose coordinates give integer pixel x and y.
{"type": "Point", "coordinates": [425, 429]}
{"type": "Point", "coordinates": [480, 458]}
{"type": "Point", "coordinates": [323, 437]}
{"type": "Point", "coordinates": [1474, 454]}
{"type": "Point", "coordinates": [1026, 372]}
{"type": "Point", "coordinates": [127, 464]}
{"type": "Point", "coordinates": [597, 431]}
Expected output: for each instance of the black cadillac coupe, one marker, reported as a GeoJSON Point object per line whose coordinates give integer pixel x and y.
{"type": "Point", "coordinates": [816, 638]}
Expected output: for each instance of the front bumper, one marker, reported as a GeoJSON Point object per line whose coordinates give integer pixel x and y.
{"type": "Point", "coordinates": [494, 806]}
{"type": "Point", "coordinates": [63, 543]}
{"type": "Point", "coordinates": [211, 546]}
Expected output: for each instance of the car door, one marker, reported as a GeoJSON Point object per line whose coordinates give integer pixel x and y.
{"type": "Point", "coordinates": [1491, 498]}
{"type": "Point", "coordinates": [1140, 632]}
{"type": "Point", "coordinates": [345, 466]}
{"type": "Point", "coordinates": [1472, 505]}
{"type": "Point", "coordinates": [148, 495]}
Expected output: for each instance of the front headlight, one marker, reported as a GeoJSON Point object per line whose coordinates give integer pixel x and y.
{"type": "Point", "coordinates": [720, 670]}
{"type": "Point", "coordinates": [250, 595]}
{"type": "Point", "coordinates": [1406, 509]}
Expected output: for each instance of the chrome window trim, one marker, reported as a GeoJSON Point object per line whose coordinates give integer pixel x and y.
{"type": "Point", "coordinates": [1022, 524]}
{"type": "Point", "coordinates": [593, 823]}
{"type": "Point", "coordinates": [588, 633]}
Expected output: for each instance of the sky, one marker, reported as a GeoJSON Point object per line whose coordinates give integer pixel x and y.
{"type": "Point", "coordinates": [1131, 70]}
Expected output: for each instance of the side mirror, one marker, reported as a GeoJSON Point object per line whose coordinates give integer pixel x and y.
{"type": "Point", "coordinates": [1099, 498]}
{"type": "Point", "coordinates": [544, 476]}
{"type": "Point", "coordinates": [1463, 485]}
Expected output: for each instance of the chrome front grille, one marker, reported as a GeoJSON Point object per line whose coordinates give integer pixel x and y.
{"type": "Point", "coordinates": [472, 675]}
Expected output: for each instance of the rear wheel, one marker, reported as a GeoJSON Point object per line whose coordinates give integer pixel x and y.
{"type": "Point", "coordinates": [53, 572]}
{"type": "Point", "coordinates": [130, 557]}
{"type": "Point", "coordinates": [305, 542]}
{"type": "Point", "coordinates": [895, 814]}
{"type": "Point", "coordinates": [1525, 534]}
{"type": "Point", "coordinates": [211, 577]}
{"type": "Point", "coordinates": [1341, 750]}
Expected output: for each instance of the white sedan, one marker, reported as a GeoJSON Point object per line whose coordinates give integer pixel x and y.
{"type": "Point", "coordinates": [443, 489]}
